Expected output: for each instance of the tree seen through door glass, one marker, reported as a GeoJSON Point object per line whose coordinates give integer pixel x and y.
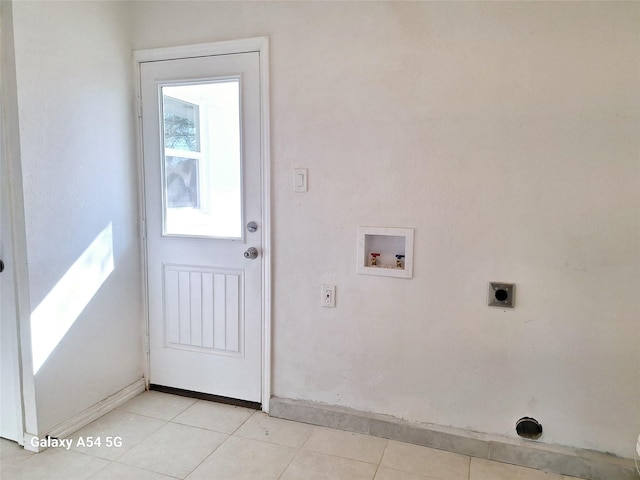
{"type": "Point", "coordinates": [202, 164]}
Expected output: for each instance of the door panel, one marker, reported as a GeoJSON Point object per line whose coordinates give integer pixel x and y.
{"type": "Point", "coordinates": [203, 309]}
{"type": "Point", "coordinates": [201, 141]}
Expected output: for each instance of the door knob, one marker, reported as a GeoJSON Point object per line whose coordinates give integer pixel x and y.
{"type": "Point", "coordinates": [251, 253]}
{"type": "Point", "coordinates": [1, 266]}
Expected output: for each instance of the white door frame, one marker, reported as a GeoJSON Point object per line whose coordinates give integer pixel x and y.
{"type": "Point", "coordinates": [260, 45]}
{"type": "Point", "coordinates": [10, 158]}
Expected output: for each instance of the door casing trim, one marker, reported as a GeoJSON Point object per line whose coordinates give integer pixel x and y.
{"type": "Point", "coordinates": [261, 46]}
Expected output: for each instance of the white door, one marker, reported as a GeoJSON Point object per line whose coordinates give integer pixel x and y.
{"type": "Point", "coordinates": [202, 180]}
{"type": "Point", "coordinates": [10, 395]}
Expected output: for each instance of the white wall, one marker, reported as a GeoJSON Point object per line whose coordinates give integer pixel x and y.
{"type": "Point", "coordinates": [75, 102]}
{"type": "Point", "coordinates": [506, 134]}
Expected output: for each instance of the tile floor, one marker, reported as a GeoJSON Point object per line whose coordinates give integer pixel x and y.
{"type": "Point", "coordinates": [166, 437]}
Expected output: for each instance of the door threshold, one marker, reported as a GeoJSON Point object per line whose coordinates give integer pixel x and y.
{"type": "Point", "coordinates": [206, 396]}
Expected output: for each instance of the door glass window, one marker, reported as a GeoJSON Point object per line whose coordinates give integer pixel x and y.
{"type": "Point", "coordinates": [202, 180]}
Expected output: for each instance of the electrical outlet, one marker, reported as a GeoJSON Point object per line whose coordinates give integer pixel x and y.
{"type": "Point", "coordinates": [328, 299]}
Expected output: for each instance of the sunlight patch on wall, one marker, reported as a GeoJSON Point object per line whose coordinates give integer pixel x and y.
{"type": "Point", "coordinates": [55, 315]}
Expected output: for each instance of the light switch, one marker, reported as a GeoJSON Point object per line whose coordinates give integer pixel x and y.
{"type": "Point", "coordinates": [300, 180]}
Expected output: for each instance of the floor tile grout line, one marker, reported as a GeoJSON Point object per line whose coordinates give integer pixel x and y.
{"type": "Point", "coordinates": [386, 445]}
{"type": "Point", "coordinates": [80, 453]}
{"type": "Point", "coordinates": [377, 468]}
{"type": "Point", "coordinates": [173, 420]}
{"type": "Point", "coordinates": [293, 456]}
{"type": "Point", "coordinates": [149, 416]}
{"type": "Point", "coordinates": [309, 437]}
{"type": "Point", "coordinates": [335, 456]}
{"type": "Point", "coordinates": [243, 422]}
{"type": "Point", "coordinates": [293, 453]}
{"type": "Point", "coordinates": [96, 473]}
{"type": "Point", "coordinates": [192, 403]}
{"type": "Point", "coordinates": [165, 422]}
{"type": "Point", "coordinates": [145, 469]}
{"type": "Point", "coordinates": [321, 427]}
{"type": "Point", "coordinates": [229, 435]}
{"type": "Point", "coordinates": [112, 462]}
{"type": "Point", "coordinates": [303, 449]}
{"type": "Point", "coordinates": [267, 442]}
{"type": "Point", "coordinates": [138, 413]}
{"type": "Point", "coordinates": [236, 434]}
{"type": "Point", "coordinates": [200, 428]}
{"type": "Point", "coordinates": [183, 410]}
{"type": "Point", "coordinates": [207, 457]}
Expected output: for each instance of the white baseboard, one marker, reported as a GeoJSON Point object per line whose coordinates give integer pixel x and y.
{"type": "Point", "coordinates": [87, 416]}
